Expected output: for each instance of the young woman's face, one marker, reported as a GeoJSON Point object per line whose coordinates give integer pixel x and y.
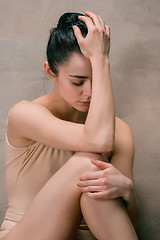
{"type": "Point", "coordinates": [74, 82]}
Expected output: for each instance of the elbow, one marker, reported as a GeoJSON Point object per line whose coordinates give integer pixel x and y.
{"type": "Point", "coordinates": [107, 147]}
{"type": "Point", "coordinates": [107, 142]}
{"type": "Point", "coordinates": [104, 145]}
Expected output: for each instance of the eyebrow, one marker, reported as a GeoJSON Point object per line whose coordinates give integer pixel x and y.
{"type": "Point", "coordinates": [78, 76]}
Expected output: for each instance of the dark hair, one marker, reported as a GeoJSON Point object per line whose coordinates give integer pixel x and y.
{"type": "Point", "coordinates": [62, 41]}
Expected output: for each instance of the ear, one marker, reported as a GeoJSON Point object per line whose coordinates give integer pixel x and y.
{"type": "Point", "coordinates": [49, 74]}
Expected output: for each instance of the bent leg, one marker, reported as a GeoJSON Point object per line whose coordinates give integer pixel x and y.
{"type": "Point", "coordinates": [107, 219]}
{"type": "Point", "coordinates": [55, 212]}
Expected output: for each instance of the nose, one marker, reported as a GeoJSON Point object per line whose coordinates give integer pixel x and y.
{"type": "Point", "coordinates": [87, 88]}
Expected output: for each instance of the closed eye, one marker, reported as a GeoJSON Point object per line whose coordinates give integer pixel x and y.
{"type": "Point", "coordinates": [78, 84]}
{"type": "Point", "coordinates": [78, 77]}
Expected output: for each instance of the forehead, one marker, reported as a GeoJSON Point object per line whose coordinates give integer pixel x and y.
{"type": "Point", "coordinates": [77, 64]}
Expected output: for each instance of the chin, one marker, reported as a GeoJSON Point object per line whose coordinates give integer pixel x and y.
{"type": "Point", "coordinates": [82, 109]}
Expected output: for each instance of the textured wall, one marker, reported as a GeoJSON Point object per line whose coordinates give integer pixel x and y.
{"type": "Point", "coordinates": [135, 58]}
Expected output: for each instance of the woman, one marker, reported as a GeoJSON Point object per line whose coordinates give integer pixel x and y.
{"type": "Point", "coordinates": [58, 146]}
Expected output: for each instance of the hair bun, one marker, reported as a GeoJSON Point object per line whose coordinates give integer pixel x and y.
{"type": "Point", "coordinates": [67, 20]}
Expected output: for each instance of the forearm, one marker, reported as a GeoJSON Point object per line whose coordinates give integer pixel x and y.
{"type": "Point", "coordinates": [101, 117]}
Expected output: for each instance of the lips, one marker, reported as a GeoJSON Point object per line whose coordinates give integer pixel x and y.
{"type": "Point", "coordinates": [84, 102]}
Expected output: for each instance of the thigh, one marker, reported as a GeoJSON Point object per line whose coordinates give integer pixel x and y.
{"type": "Point", "coordinates": [55, 212]}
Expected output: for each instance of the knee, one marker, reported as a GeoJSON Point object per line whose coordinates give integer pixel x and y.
{"type": "Point", "coordinates": [81, 162]}
{"type": "Point", "coordinates": [87, 155]}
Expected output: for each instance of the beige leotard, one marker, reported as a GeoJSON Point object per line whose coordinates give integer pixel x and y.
{"type": "Point", "coordinates": [27, 169]}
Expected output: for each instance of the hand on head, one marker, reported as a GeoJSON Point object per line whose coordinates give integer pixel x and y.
{"type": "Point", "coordinates": [97, 41]}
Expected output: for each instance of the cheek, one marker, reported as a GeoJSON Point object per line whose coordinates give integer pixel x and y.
{"type": "Point", "coordinates": [70, 92]}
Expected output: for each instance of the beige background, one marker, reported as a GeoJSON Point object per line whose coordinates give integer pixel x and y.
{"type": "Point", "coordinates": [135, 60]}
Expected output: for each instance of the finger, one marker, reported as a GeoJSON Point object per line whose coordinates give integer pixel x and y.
{"type": "Point", "coordinates": [92, 175]}
{"type": "Point", "coordinates": [77, 33]}
{"type": "Point", "coordinates": [88, 21]}
{"type": "Point", "coordinates": [107, 30]}
{"type": "Point", "coordinates": [92, 15]}
{"type": "Point", "coordinates": [102, 23]}
{"type": "Point", "coordinates": [91, 189]}
{"type": "Point", "coordinates": [87, 183]}
{"type": "Point", "coordinates": [102, 165]}
{"type": "Point", "coordinates": [97, 195]}
{"type": "Point", "coordinates": [95, 19]}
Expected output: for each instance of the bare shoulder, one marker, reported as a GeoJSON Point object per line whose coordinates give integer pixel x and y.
{"type": "Point", "coordinates": [23, 106]}
{"type": "Point", "coordinates": [122, 128]}
{"type": "Point", "coordinates": [25, 109]}
{"type": "Point", "coordinates": [22, 112]}
{"type": "Point", "coordinates": [121, 125]}
{"type": "Point", "coordinates": [16, 111]}
{"type": "Point", "coordinates": [123, 136]}
{"type": "Point", "coordinates": [122, 156]}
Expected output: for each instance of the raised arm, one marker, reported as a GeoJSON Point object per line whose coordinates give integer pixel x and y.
{"type": "Point", "coordinates": [34, 122]}
{"type": "Point", "coordinates": [100, 122]}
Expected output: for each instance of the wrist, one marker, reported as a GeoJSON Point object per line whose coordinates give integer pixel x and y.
{"type": "Point", "coordinates": [101, 59]}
